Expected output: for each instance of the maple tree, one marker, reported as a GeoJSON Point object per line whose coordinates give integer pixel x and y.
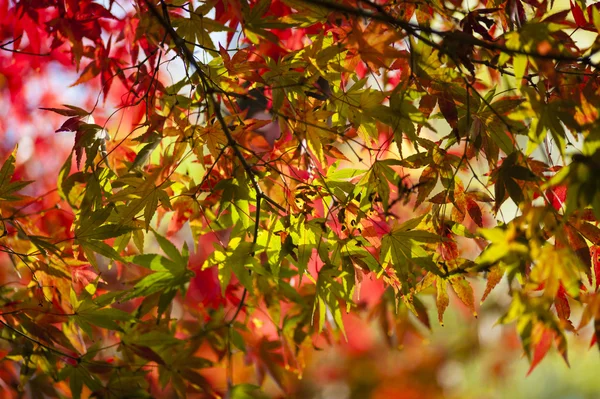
{"type": "Point", "coordinates": [263, 177]}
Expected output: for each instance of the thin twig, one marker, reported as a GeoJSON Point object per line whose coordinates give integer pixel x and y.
{"type": "Point", "coordinates": [10, 50]}
{"type": "Point", "coordinates": [47, 347]}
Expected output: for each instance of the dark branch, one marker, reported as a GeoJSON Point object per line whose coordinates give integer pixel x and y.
{"type": "Point", "coordinates": [188, 56]}
{"type": "Point", "coordinates": [457, 36]}
{"type": "Point", "coordinates": [3, 47]}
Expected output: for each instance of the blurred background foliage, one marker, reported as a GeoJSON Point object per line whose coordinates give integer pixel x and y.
{"type": "Point", "coordinates": [466, 358]}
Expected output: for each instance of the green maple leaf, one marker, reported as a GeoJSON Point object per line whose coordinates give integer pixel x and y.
{"type": "Point", "coordinates": [196, 29]}
{"type": "Point", "coordinates": [88, 312]}
{"type": "Point", "coordinates": [403, 247]}
{"type": "Point", "coordinates": [91, 232]}
{"type": "Point", "coordinates": [170, 273]}
{"type": "Point", "coordinates": [141, 194]}
{"type": "Point", "coordinates": [329, 291]}
{"type": "Point", "coordinates": [235, 259]}
{"type": "Point", "coordinates": [78, 377]}
{"type": "Point", "coordinates": [7, 188]}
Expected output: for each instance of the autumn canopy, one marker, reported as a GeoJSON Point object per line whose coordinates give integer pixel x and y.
{"type": "Point", "coordinates": [234, 180]}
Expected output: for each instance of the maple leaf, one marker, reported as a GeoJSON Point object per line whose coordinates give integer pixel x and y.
{"type": "Point", "coordinates": [141, 194]}
{"type": "Point", "coordinates": [82, 278]}
{"type": "Point", "coordinates": [196, 29]}
{"type": "Point", "coordinates": [402, 246]}
{"type": "Point", "coordinates": [372, 44]}
{"type": "Point", "coordinates": [493, 278]}
{"type": "Point", "coordinates": [313, 126]}
{"type": "Point", "coordinates": [543, 341]}
{"type": "Point", "coordinates": [427, 182]}
{"type": "Point", "coordinates": [212, 135]}
{"type": "Point", "coordinates": [169, 273]}
{"type": "Point", "coordinates": [441, 300]}
{"type": "Point", "coordinates": [476, 21]}
{"type": "Point", "coordinates": [8, 187]}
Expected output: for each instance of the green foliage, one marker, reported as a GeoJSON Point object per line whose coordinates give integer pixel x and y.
{"type": "Point", "coordinates": [311, 146]}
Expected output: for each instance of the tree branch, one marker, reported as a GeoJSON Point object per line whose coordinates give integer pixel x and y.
{"type": "Point", "coordinates": [188, 56]}
{"type": "Point", "coordinates": [35, 341]}
{"type": "Point", "coordinates": [3, 47]}
{"type": "Point", "coordinates": [456, 36]}
{"type": "Point", "coordinates": [209, 91]}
